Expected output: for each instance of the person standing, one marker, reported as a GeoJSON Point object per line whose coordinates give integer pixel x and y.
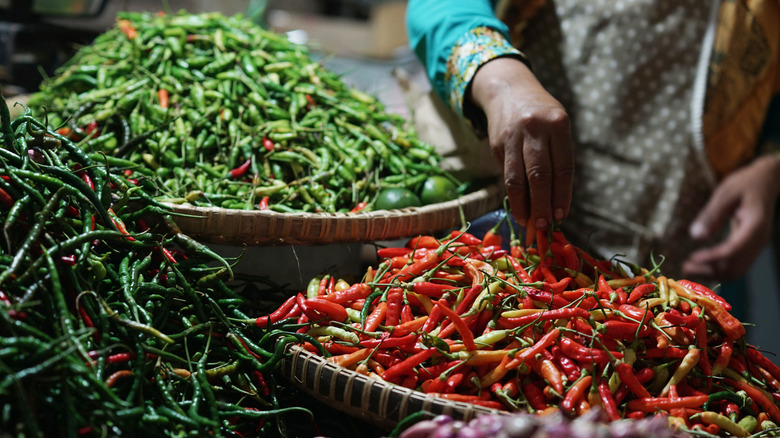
{"type": "Point", "coordinates": [646, 128]}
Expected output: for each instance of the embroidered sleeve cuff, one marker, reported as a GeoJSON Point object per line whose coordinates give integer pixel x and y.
{"type": "Point", "coordinates": [472, 50]}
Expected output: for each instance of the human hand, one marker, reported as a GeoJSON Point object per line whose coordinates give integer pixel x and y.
{"type": "Point", "coordinates": [747, 199]}
{"type": "Point", "coordinates": [530, 137]}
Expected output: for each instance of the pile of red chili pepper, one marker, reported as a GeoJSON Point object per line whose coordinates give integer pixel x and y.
{"type": "Point", "coordinates": [113, 322]}
{"type": "Point", "coordinates": [543, 327]}
{"type": "Point", "coordinates": [218, 111]}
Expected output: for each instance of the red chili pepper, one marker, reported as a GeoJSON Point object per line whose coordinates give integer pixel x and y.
{"type": "Point", "coordinates": [545, 368]}
{"type": "Point", "coordinates": [406, 313]}
{"type": "Point", "coordinates": [492, 238]}
{"type": "Point", "coordinates": [261, 383]}
{"type": "Point", "coordinates": [318, 308]}
{"type": "Point", "coordinates": [409, 327]}
{"type": "Point", "coordinates": [84, 176]}
{"type": "Point", "coordinates": [570, 259]}
{"type": "Point", "coordinates": [395, 298]}
{"type": "Point", "coordinates": [263, 204]}
{"type": "Point", "coordinates": [423, 242]}
{"type": "Point", "coordinates": [6, 199]}
{"type": "Point", "coordinates": [623, 330]}
{"type": "Point", "coordinates": [167, 253]}
{"type": "Point", "coordinates": [520, 270]}
{"type": "Point", "coordinates": [434, 317]}
{"type": "Point", "coordinates": [117, 375]}
{"type": "Point", "coordinates": [120, 358]}
{"type": "Point", "coordinates": [653, 404]}
{"type": "Point", "coordinates": [352, 293]}
{"type": "Point", "coordinates": [755, 356]}
{"type": "Point", "coordinates": [572, 370]}
{"type": "Point", "coordinates": [724, 357]}
{"type": "Point", "coordinates": [582, 353]}
{"type": "Point", "coordinates": [92, 128]}
{"type": "Point", "coordinates": [551, 300]}
{"type": "Point", "coordinates": [119, 224]}
{"type": "Point", "coordinates": [390, 252]}
{"type": "Point", "coordinates": [453, 382]}
{"type": "Point", "coordinates": [535, 396]}
{"type": "Point", "coordinates": [376, 317]}
{"type": "Point", "coordinates": [358, 207]}
{"type": "Point", "coordinates": [69, 260]}
{"type": "Point", "coordinates": [408, 272]}
{"type": "Point", "coordinates": [608, 401]}
{"type": "Point", "coordinates": [640, 291]}
{"type": "Point", "coordinates": [162, 95]}
{"type": "Point", "coordinates": [435, 290]}
{"type": "Point", "coordinates": [575, 393]}
{"type": "Point", "coordinates": [665, 353]}
{"type": "Point", "coordinates": [407, 365]}
{"type": "Point", "coordinates": [627, 376]}
{"type": "Point", "coordinates": [636, 313]}
{"type": "Point", "coordinates": [239, 171]}
{"type": "Point", "coordinates": [689, 321]}
{"type": "Point", "coordinates": [466, 336]}
{"type": "Point", "coordinates": [464, 237]}
{"type": "Point", "coordinates": [126, 27]}
{"type": "Point", "coordinates": [468, 298]}
{"type": "Point", "coordinates": [530, 353]}
{"type": "Point", "coordinates": [704, 359]}
{"type": "Point", "coordinates": [434, 385]}
{"type": "Point", "coordinates": [277, 315]}
{"type": "Point", "coordinates": [707, 292]}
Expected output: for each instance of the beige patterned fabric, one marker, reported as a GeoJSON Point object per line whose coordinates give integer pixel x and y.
{"type": "Point", "coordinates": [625, 70]}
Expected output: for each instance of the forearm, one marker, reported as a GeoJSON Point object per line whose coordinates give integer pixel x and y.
{"type": "Point", "coordinates": [450, 40]}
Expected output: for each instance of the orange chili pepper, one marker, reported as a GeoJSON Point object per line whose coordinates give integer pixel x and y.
{"type": "Point", "coordinates": [575, 393]}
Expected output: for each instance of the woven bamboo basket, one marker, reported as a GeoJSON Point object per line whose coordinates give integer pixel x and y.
{"type": "Point", "coordinates": [242, 227]}
{"type": "Point", "coordinates": [371, 400]}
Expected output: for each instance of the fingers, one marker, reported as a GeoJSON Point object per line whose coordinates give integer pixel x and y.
{"type": "Point", "coordinates": [730, 259]}
{"type": "Point", "coordinates": [515, 182]}
{"type": "Point", "coordinates": [562, 155]}
{"type": "Point", "coordinates": [750, 214]}
{"type": "Point", "coordinates": [539, 169]}
{"type": "Point", "coordinates": [714, 215]}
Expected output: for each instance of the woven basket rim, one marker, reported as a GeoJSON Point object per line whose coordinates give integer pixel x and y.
{"type": "Point", "coordinates": [372, 400]}
{"type": "Point", "coordinates": [229, 226]}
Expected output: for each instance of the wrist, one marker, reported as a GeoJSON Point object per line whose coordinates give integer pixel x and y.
{"type": "Point", "coordinates": [496, 77]}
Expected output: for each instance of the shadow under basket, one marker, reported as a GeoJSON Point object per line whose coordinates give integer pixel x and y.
{"type": "Point", "coordinates": [368, 399]}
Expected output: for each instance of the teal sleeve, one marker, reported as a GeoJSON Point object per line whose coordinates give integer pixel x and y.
{"type": "Point", "coordinates": [437, 29]}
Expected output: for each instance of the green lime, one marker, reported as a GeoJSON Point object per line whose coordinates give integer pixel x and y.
{"type": "Point", "coordinates": [396, 198]}
{"type": "Point", "coordinates": [437, 189]}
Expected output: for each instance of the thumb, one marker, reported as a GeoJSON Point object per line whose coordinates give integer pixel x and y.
{"type": "Point", "coordinates": [713, 216]}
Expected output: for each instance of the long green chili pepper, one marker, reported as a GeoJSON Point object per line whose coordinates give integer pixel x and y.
{"type": "Point", "coordinates": [88, 297]}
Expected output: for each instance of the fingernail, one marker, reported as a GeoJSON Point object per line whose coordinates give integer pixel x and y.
{"type": "Point", "coordinates": [541, 223]}
{"type": "Point", "coordinates": [698, 230]}
{"type": "Point", "coordinates": [522, 222]}
{"type": "Point", "coordinates": [558, 214]}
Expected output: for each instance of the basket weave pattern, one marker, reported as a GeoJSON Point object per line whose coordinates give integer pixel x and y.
{"type": "Point", "coordinates": [374, 401]}
{"type": "Point", "coordinates": [243, 227]}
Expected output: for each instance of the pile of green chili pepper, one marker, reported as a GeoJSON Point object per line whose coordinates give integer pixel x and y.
{"type": "Point", "coordinates": [222, 112]}
{"type": "Point", "coordinates": [113, 322]}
